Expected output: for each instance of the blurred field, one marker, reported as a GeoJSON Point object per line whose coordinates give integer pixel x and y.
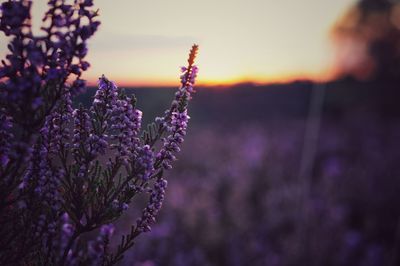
{"type": "Point", "coordinates": [290, 174]}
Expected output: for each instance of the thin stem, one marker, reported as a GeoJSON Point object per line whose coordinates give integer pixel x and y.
{"type": "Point", "coordinates": [69, 245]}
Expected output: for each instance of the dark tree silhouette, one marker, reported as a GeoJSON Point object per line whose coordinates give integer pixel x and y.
{"type": "Point", "coordinates": [368, 40]}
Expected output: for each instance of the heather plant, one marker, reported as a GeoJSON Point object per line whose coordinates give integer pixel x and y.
{"type": "Point", "coordinates": [69, 171]}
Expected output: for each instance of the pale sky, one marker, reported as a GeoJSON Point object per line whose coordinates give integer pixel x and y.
{"type": "Point", "coordinates": [143, 42]}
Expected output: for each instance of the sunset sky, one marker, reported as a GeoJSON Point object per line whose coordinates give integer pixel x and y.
{"type": "Point", "coordinates": [144, 42]}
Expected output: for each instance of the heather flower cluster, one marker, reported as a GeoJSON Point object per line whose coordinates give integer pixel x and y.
{"type": "Point", "coordinates": [66, 171]}
{"type": "Point", "coordinates": [176, 119]}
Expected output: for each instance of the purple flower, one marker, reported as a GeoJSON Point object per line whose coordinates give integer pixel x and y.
{"type": "Point", "coordinates": [125, 126]}
{"type": "Point", "coordinates": [154, 205]}
{"type": "Point", "coordinates": [145, 162]}
{"type": "Point", "coordinates": [176, 119]}
{"type": "Point", "coordinates": [13, 16]}
{"type": "Point", "coordinates": [82, 128]}
{"type": "Point", "coordinates": [105, 97]}
{"type": "Point", "coordinates": [97, 247]}
{"type": "Point", "coordinates": [107, 230]}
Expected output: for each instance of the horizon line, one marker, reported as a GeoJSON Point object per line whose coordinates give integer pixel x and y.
{"type": "Point", "coordinates": [256, 81]}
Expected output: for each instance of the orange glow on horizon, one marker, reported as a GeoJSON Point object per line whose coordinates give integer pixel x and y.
{"type": "Point", "coordinates": [324, 76]}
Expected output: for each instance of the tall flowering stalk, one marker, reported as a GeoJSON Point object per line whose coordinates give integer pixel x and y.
{"type": "Point", "coordinates": [66, 172]}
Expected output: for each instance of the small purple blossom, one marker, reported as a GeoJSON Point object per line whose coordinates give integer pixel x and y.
{"type": "Point", "coordinates": [107, 230]}
{"type": "Point", "coordinates": [145, 162]}
{"type": "Point", "coordinates": [156, 199]}
{"type": "Point", "coordinates": [96, 248]}
{"type": "Point", "coordinates": [125, 125]}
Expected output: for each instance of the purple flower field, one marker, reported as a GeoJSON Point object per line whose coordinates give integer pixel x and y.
{"type": "Point", "coordinates": [267, 191]}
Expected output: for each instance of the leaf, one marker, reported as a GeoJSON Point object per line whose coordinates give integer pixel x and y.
{"type": "Point", "coordinates": [151, 135]}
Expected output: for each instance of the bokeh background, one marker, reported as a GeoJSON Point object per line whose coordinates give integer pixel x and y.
{"type": "Point", "coordinates": [292, 173]}
{"type": "Point", "coordinates": [293, 151]}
